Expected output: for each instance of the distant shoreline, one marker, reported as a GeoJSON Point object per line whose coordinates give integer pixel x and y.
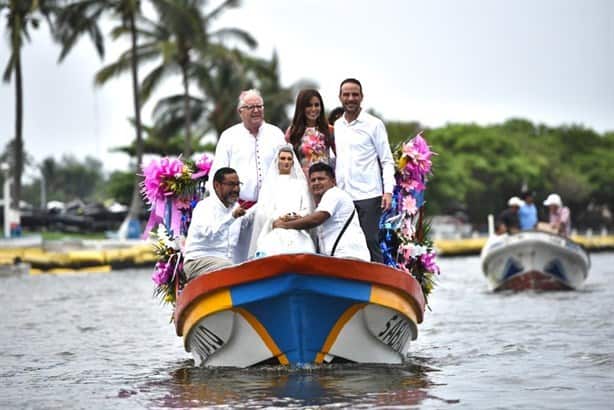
{"type": "Point", "coordinates": [69, 256]}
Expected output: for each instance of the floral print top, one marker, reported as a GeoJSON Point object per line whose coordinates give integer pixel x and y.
{"type": "Point", "coordinates": [314, 148]}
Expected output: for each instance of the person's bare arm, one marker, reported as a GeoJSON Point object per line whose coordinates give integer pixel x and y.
{"type": "Point", "coordinates": [306, 222]}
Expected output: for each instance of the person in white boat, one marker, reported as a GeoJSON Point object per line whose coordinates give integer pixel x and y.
{"type": "Point", "coordinates": [338, 229]}
{"type": "Point", "coordinates": [559, 216]}
{"type": "Point", "coordinates": [215, 226]}
{"type": "Point", "coordinates": [249, 147]}
{"type": "Point", "coordinates": [507, 221]}
{"type": "Point", "coordinates": [364, 164]}
{"type": "Point", "coordinates": [284, 195]}
{"type": "Point", "coordinates": [527, 214]}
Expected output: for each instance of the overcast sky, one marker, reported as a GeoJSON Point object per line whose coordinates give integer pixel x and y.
{"type": "Point", "coordinates": [438, 61]}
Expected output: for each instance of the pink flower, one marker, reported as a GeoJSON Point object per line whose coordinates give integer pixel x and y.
{"type": "Point", "coordinates": [171, 167]}
{"type": "Point", "coordinates": [203, 165]}
{"type": "Point", "coordinates": [419, 156]}
{"type": "Point", "coordinates": [409, 205]}
{"type": "Point", "coordinates": [428, 262]}
{"type": "Point", "coordinates": [407, 228]}
{"type": "Point", "coordinates": [405, 251]}
{"type": "Point", "coordinates": [163, 272]}
{"type": "Point", "coordinates": [156, 173]}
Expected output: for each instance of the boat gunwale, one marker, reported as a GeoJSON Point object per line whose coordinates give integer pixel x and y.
{"type": "Point", "coordinates": [305, 264]}
{"type": "Point", "coordinates": [585, 256]}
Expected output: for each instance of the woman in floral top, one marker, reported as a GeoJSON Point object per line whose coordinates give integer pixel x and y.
{"type": "Point", "coordinates": [309, 132]}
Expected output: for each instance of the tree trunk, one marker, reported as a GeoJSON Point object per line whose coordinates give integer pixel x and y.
{"type": "Point", "coordinates": [187, 150]}
{"type": "Point", "coordinates": [132, 219]}
{"type": "Point", "coordinates": [18, 171]}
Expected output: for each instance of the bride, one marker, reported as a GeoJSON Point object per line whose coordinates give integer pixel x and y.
{"type": "Point", "coordinates": [285, 194]}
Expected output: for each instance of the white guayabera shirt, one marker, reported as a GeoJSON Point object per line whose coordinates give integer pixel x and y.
{"type": "Point", "coordinates": [250, 156]}
{"type": "Point", "coordinates": [213, 230]}
{"type": "Point", "coordinates": [360, 144]}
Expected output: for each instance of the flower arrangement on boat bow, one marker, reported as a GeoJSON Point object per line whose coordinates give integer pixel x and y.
{"type": "Point", "coordinates": [171, 187]}
{"type": "Point", "coordinates": [403, 233]}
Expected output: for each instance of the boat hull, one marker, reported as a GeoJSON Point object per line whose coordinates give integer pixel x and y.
{"type": "Point", "coordinates": [300, 309]}
{"type": "Point", "coordinates": [534, 260]}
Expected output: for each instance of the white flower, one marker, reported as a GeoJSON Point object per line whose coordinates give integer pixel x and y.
{"type": "Point", "coordinates": [418, 250]}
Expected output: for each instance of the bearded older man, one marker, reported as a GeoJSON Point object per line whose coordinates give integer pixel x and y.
{"type": "Point", "coordinates": [216, 226]}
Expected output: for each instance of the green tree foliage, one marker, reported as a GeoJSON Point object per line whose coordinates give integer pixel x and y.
{"type": "Point", "coordinates": [81, 17]}
{"type": "Point", "coordinates": [179, 42]}
{"type": "Point", "coordinates": [477, 168]}
{"type": "Point", "coordinates": [221, 84]}
{"type": "Point", "coordinates": [119, 186]}
{"type": "Point", "coordinates": [68, 179]}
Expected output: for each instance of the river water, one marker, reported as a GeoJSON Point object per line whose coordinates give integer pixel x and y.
{"type": "Point", "coordinates": [100, 341]}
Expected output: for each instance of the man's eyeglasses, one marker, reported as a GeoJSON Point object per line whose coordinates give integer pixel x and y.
{"type": "Point", "coordinates": [252, 107]}
{"type": "Point", "coordinates": [232, 184]}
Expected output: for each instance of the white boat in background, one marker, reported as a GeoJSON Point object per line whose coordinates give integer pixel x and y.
{"type": "Point", "coordinates": [534, 260]}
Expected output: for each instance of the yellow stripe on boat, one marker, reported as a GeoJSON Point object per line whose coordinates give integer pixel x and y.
{"type": "Point", "coordinates": [215, 302]}
{"type": "Point", "coordinates": [393, 299]}
{"type": "Point", "coordinates": [264, 335]}
{"type": "Point", "coordinates": [334, 333]}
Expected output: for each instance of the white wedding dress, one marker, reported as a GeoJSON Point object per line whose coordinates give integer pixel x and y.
{"type": "Point", "coordinates": [281, 195]}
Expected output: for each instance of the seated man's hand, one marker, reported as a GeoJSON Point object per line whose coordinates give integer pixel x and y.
{"type": "Point", "coordinates": [238, 212]}
{"type": "Point", "coordinates": [279, 222]}
{"type": "Point", "coordinates": [289, 217]}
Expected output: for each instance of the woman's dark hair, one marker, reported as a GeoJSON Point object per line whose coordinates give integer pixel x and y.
{"type": "Point", "coordinates": [322, 167]}
{"type": "Point", "coordinates": [299, 122]}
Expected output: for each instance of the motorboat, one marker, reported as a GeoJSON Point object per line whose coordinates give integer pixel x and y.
{"type": "Point", "coordinates": [299, 309]}
{"type": "Point", "coordinates": [534, 260]}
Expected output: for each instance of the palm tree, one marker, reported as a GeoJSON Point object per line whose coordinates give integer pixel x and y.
{"type": "Point", "coordinates": [222, 84]}
{"type": "Point", "coordinates": [276, 96]}
{"type": "Point", "coordinates": [162, 141]}
{"type": "Point", "coordinates": [181, 38]}
{"type": "Point", "coordinates": [20, 16]}
{"type": "Point", "coordinates": [81, 18]}
{"type": "Point", "coordinates": [221, 81]}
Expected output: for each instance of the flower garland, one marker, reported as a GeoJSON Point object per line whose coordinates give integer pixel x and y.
{"type": "Point", "coordinates": [172, 188]}
{"type": "Point", "coordinates": [403, 234]}
{"type": "Point", "coordinates": [169, 263]}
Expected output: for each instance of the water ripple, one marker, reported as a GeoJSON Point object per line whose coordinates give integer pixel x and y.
{"type": "Point", "coordinates": [102, 341]}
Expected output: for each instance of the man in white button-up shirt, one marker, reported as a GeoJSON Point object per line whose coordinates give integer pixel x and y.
{"type": "Point", "coordinates": [249, 147]}
{"type": "Point", "coordinates": [215, 227]}
{"type": "Point", "coordinates": [364, 167]}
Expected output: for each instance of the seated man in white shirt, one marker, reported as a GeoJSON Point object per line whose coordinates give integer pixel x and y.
{"type": "Point", "coordinates": [339, 231]}
{"type": "Point", "coordinates": [215, 227]}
